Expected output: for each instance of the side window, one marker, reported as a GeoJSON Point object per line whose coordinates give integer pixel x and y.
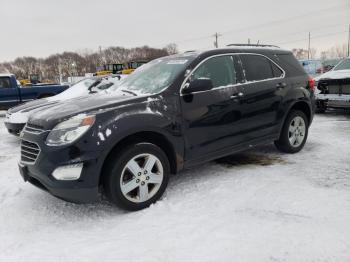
{"type": "Point", "coordinates": [277, 72]}
{"type": "Point", "coordinates": [256, 67]}
{"type": "Point", "coordinates": [5, 82]}
{"type": "Point", "coordinates": [219, 70]}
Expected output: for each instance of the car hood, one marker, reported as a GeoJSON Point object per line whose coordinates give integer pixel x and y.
{"type": "Point", "coordinates": [57, 112]}
{"type": "Point", "coordinates": [26, 107]}
{"type": "Point", "coordinates": [334, 74]}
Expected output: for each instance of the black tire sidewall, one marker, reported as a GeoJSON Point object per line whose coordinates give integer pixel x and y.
{"type": "Point", "coordinates": [116, 166]}
{"type": "Point", "coordinates": [283, 143]}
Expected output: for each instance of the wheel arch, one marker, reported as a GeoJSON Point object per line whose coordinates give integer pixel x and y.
{"type": "Point", "coordinates": [304, 107]}
{"type": "Point", "coordinates": [153, 137]}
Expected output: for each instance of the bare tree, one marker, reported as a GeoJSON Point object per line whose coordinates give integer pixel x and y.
{"type": "Point", "coordinates": [171, 49]}
{"type": "Point", "coordinates": [82, 62]}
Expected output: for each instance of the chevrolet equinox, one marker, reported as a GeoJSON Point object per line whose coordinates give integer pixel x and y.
{"type": "Point", "coordinates": [171, 114]}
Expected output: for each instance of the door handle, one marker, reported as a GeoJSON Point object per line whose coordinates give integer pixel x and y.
{"type": "Point", "coordinates": [236, 96]}
{"type": "Point", "coordinates": [281, 85]}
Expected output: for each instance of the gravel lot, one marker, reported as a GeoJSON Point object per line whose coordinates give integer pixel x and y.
{"type": "Point", "coordinates": [260, 205]}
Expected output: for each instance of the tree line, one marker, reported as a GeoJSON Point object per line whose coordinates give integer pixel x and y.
{"type": "Point", "coordinates": [335, 52]}
{"type": "Point", "coordinates": [79, 63]}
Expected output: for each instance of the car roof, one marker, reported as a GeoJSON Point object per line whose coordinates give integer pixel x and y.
{"type": "Point", "coordinates": [238, 49]}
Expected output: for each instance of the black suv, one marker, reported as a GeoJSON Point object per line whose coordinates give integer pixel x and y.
{"type": "Point", "coordinates": [172, 113]}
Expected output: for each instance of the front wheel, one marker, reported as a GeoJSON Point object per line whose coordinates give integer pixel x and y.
{"type": "Point", "coordinates": [137, 176]}
{"type": "Point", "coordinates": [294, 132]}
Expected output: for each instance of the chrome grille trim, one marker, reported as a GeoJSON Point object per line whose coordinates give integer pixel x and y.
{"type": "Point", "coordinates": [33, 129]}
{"type": "Point", "coordinates": [29, 152]}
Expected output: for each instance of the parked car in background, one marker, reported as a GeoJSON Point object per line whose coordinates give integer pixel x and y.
{"type": "Point", "coordinates": [17, 117]}
{"type": "Point", "coordinates": [329, 64]}
{"type": "Point", "coordinates": [333, 87]}
{"type": "Point", "coordinates": [312, 67]}
{"type": "Point", "coordinates": [170, 114]}
{"type": "Point", "coordinates": [12, 93]}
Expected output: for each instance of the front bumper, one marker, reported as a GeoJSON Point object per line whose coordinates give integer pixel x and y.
{"type": "Point", "coordinates": [14, 129]}
{"type": "Point", "coordinates": [39, 172]}
{"type": "Point", "coordinates": [68, 193]}
{"type": "Point", "coordinates": [333, 100]}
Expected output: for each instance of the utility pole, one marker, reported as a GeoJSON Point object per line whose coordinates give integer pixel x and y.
{"type": "Point", "coordinates": [60, 70]}
{"type": "Point", "coordinates": [349, 42]}
{"type": "Point", "coordinates": [248, 41]}
{"type": "Point", "coordinates": [216, 42]}
{"type": "Point", "coordinates": [308, 49]}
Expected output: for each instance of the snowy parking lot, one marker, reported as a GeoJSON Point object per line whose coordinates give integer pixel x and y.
{"type": "Point", "coordinates": [260, 205]}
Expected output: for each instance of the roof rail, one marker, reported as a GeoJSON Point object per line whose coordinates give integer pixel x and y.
{"type": "Point", "coordinates": [190, 51]}
{"type": "Point", "coordinates": [254, 45]}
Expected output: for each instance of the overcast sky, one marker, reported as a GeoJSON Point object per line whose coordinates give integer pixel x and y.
{"type": "Point", "coordinates": [43, 27]}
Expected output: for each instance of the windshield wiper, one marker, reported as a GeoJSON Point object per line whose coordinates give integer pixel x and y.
{"type": "Point", "coordinates": [130, 92]}
{"type": "Point", "coordinates": [94, 85]}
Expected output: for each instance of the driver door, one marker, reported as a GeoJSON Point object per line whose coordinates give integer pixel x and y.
{"type": "Point", "coordinates": [210, 117]}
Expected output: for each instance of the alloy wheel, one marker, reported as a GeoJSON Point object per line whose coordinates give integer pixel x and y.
{"type": "Point", "coordinates": [141, 178]}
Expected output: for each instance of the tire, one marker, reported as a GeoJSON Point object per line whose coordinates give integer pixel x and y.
{"type": "Point", "coordinates": [320, 110]}
{"type": "Point", "coordinates": [132, 185]}
{"type": "Point", "coordinates": [287, 136]}
{"type": "Point", "coordinates": [320, 107]}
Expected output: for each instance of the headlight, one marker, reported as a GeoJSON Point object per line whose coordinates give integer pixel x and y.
{"type": "Point", "coordinates": [70, 130]}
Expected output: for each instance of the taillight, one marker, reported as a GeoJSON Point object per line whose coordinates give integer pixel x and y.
{"type": "Point", "coordinates": [311, 84]}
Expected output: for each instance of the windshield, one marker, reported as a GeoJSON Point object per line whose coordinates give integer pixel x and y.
{"type": "Point", "coordinates": [153, 77]}
{"type": "Point", "coordinates": [343, 65]}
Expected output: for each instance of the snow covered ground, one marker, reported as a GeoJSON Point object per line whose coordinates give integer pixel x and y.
{"type": "Point", "coordinates": [257, 206]}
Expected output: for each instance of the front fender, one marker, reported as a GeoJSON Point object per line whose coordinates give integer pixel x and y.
{"type": "Point", "coordinates": [149, 116]}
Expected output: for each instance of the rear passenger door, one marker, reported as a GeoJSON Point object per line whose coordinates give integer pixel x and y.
{"type": "Point", "coordinates": [262, 95]}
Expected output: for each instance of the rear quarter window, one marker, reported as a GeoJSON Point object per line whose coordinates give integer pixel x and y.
{"type": "Point", "coordinates": [290, 65]}
{"type": "Point", "coordinates": [257, 67]}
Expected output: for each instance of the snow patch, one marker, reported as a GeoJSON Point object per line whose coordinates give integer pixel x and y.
{"type": "Point", "coordinates": [17, 118]}
{"type": "Point", "coordinates": [101, 136]}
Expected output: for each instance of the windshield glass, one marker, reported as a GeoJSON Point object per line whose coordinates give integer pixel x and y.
{"type": "Point", "coordinates": [154, 76]}
{"type": "Point", "coordinates": [343, 65]}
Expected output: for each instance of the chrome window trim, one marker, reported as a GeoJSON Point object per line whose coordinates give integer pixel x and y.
{"type": "Point", "coordinates": [237, 84]}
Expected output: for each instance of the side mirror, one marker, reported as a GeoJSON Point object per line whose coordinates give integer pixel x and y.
{"type": "Point", "coordinates": [201, 84]}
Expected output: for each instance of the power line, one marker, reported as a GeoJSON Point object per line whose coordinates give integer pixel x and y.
{"type": "Point", "coordinates": [283, 20]}
{"type": "Point", "coordinates": [317, 36]}
{"type": "Point", "coordinates": [338, 7]}
{"type": "Point", "coordinates": [305, 31]}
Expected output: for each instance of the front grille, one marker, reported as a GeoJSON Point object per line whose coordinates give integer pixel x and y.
{"type": "Point", "coordinates": [29, 152]}
{"type": "Point", "coordinates": [35, 129]}
{"type": "Point", "coordinates": [335, 86]}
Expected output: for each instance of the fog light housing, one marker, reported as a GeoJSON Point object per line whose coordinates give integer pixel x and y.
{"type": "Point", "coordinates": [68, 173]}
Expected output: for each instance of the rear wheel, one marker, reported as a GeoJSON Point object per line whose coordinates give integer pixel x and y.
{"type": "Point", "coordinates": [137, 176]}
{"type": "Point", "coordinates": [294, 132]}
